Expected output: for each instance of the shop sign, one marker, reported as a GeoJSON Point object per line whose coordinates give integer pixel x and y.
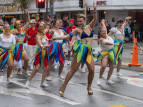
{"type": "Point", "coordinates": [9, 16]}
{"type": "Point", "coordinates": [101, 2]}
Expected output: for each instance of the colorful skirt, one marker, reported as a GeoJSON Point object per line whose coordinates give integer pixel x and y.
{"type": "Point", "coordinates": [56, 49]}
{"type": "Point", "coordinates": [41, 57]}
{"type": "Point", "coordinates": [19, 51]}
{"type": "Point", "coordinates": [110, 53]}
{"type": "Point", "coordinates": [83, 51]}
{"type": "Point", "coordinates": [5, 54]}
{"type": "Point", "coordinates": [118, 49]}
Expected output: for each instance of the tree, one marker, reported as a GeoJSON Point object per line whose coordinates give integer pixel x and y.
{"type": "Point", "coordinates": [23, 5]}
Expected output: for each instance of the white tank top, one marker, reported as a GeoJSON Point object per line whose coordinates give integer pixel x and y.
{"type": "Point", "coordinates": [44, 42]}
{"type": "Point", "coordinates": [57, 35]}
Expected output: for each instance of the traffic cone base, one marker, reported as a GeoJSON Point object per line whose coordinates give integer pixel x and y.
{"type": "Point", "coordinates": [137, 65]}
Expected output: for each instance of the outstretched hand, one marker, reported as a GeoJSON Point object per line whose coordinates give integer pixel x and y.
{"type": "Point", "coordinates": [128, 18]}
{"type": "Point", "coordinates": [94, 5]}
{"type": "Point", "coordinates": [26, 10]}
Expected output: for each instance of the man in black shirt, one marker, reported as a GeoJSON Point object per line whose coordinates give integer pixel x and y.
{"type": "Point", "coordinates": [65, 21]}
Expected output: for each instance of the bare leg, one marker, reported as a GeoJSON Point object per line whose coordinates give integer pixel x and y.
{"type": "Point", "coordinates": [26, 59]}
{"type": "Point", "coordinates": [104, 63]}
{"type": "Point", "coordinates": [50, 66]}
{"type": "Point", "coordinates": [119, 65]}
{"type": "Point", "coordinates": [73, 69]}
{"type": "Point", "coordinates": [45, 72]}
{"type": "Point", "coordinates": [111, 68]}
{"type": "Point", "coordinates": [10, 67]}
{"type": "Point", "coordinates": [36, 69]}
{"type": "Point", "coordinates": [90, 75]}
{"type": "Point", "coordinates": [1, 62]}
{"type": "Point", "coordinates": [69, 53]}
{"type": "Point", "coordinates": [61, 68]}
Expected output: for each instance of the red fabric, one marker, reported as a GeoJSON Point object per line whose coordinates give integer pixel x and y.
{"type": "Point", "coordinates": [5, 55]}
{"type": "Point", "coordinates": [25, 39]}
{"type": "Point", "coordinates": [118, 49]}
{"type": "Point", "coordinates": [60, 55]}
{"type": "Point", "coordinates": [72, 20]}
{"type": "Point", "coordinates": [46, 60]}
{"type": "Point", "coordinates": [31, 32]}
{"type": "Point", "coordinates": [49, 36]}
{"type": "Point", "coordinates": [36, 62]}
{"type": "Point", "coordinates": [68, 30]}
{"type": "Point", "coordinates": [18, 53]}
{"type": "Point", "coordinates": [50, 50]}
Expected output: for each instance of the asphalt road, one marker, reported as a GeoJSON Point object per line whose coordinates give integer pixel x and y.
{"type": "Point", "coordinates": [126, 91]}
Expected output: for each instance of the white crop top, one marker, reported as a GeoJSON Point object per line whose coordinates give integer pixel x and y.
{"type": "Point", "coordinates": [104, 47]}
{"type": "Point", "coordinates": [117, 32]}
{"type": "Point", "coordinates": [7, 42]}
{"type": "Point", "coordinates": [57, 35]}
{"type": "Point", "coordinates": [44, 42]}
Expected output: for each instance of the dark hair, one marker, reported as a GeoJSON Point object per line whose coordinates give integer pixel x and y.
{"type": "Point", "coordinates": [81, 16]}
{"type": "Point", "coordinates": [49, 16]}
{"type": "Point", "coordinates": [65, 15]}
{"type": "Point", "coordinates": [119, 20]}
{"type": "Point", "coordinates": [54, 22]}
{"type": "Point", "coordinates": [38, 25]}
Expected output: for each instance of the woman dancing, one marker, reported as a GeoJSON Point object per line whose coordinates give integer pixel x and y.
{"type": "Point", "coordinates": [119, 38]}
{"type": "Point", "coordinates": [20, 53]}
{"type": "Point", "coordinates": [107, 53]}
{"type": "Point", "coordinates": [7, 42]}
{"type": "Point", "coordinates": [56, 51]}
{"type": "Point", "coordinates": [82, 50]}
{"type": "Point", "coordinates": [41, 55]}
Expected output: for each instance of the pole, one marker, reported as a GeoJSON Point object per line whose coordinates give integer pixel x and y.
{"type": "Point", "coordinates": [47, 10]}
{"type": "Point", "coordinates": [85, 8]}
{"type": "Point", "coordinates": [51, 9]}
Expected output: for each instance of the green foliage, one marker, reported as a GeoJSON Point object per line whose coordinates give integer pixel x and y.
{"type": "Point", "coordinates": [23, 3]}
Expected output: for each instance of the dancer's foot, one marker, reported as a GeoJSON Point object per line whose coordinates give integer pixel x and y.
{"type": "Point", "coordinates": [25, 73]}
{"type": "Point", "coordinates": [90, 92]}
{"type": "Point", "coordinates": [109, 82]}
{"type": "Point", "coordinates": [48, 79]}
{"type": "Point", "coordinates": [68, 63]}
{"type": "Point", "coordinates": [55, 67]}
{"type": "Point", "coordinates": [9, 80]}
{"type": "Point", "coordinates": [119, 74]}
{"type": "Point", "coordinates": [27, 84]}
{"type": "Point", "coordinates": [62, 89]}
{"type": "Point", "coordinates": [44, 85]}
{"type": "Point", "coordinates": [61, 77]}
{"type": "Point", "coordinates": [98, 82]}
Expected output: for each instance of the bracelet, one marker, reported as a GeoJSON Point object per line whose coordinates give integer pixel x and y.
{"type": "Point", "coordinates": [41, 46]}
{"type": "Point", "coordinates": [94, 11]}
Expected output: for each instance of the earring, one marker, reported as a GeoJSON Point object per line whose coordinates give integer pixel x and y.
{"type": "Point", "coordinates": [84, 26]}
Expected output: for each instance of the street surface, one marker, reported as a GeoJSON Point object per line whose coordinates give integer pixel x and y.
{"type": "Point", "coordinates": [126, 91]}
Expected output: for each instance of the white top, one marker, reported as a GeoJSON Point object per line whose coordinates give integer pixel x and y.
{"type": "Point", "coordinates": [57, 35]}
{"type": "Point", "coordinates": [7, 42]}
{"type": "Point", "coordinates": [117, 32]}
{"type": "Point", "coordinates": [104, 47]}
{"type": "Point", "coordinates": [44, 42]}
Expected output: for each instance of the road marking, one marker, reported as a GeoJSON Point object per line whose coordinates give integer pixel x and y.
{"type": "Point", "coordinates": [108, 92]}
{"type": "Point", "coordinates": [32, 90]}
{"type": "Point", "coordinates": [119, 106]}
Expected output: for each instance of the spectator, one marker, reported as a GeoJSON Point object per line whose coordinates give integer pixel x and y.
{"type": "Point", "coordinates": [1, 26]}
{"type": "Point", "coordinates": [141, 31]}
{"type": "Point", "coordinates": [65, 21]}
{"type": "Point", "coordinates": [127, 32]}
{"type": "Point", "coordinates": [12, 26]}
{"type": "Point", "coordinates": [136, 29]}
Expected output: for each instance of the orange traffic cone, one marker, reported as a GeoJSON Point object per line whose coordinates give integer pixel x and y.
{"type": "Point", "coordinates": [135, 55]}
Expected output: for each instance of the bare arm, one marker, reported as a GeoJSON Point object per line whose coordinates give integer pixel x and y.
{"type": "Point", "coordinates": [74, 32]}
{"type": "Point", "coordinates": [38, 40]}
{"type": "Point", "coordinates": [110, 33]}
{"type": "Point", "coordinates": [28, 20]}
{"type": "Point", "coordinates": [127, 20]}
{"type": "Point", "coordinates": [93, 22]}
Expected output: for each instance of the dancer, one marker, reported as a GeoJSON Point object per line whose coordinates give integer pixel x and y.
{"type": "Point", "coordinates": [107, 53]}
{"type": "Point", "coordinates": [56, 51]}
{"type": "Point", "coordinates": [82, 50]}
{"type": "Point", "coordinates": [119, 38]}
{"type": "Point", "coordinates": [41, 55]}
{"type": "Point", "coordinates": [7, 42]}
{"type": "Point", "coordinates": [19, 33]}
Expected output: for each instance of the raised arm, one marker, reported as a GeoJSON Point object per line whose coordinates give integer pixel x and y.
{"type": "Point", "coordinates": [127, 20]}
{"type": "Point", "coordinates": [28, 20]}
{"type": "Point", "coordinates": [93, 22]}
{"type": "Point", "coordinates": [71, 34]}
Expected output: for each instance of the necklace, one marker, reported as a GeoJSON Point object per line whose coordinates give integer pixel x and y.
{"type": "Point", "coordinates": [43, 35]}
{"type": "Point", "coordinates": [7, 34]}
